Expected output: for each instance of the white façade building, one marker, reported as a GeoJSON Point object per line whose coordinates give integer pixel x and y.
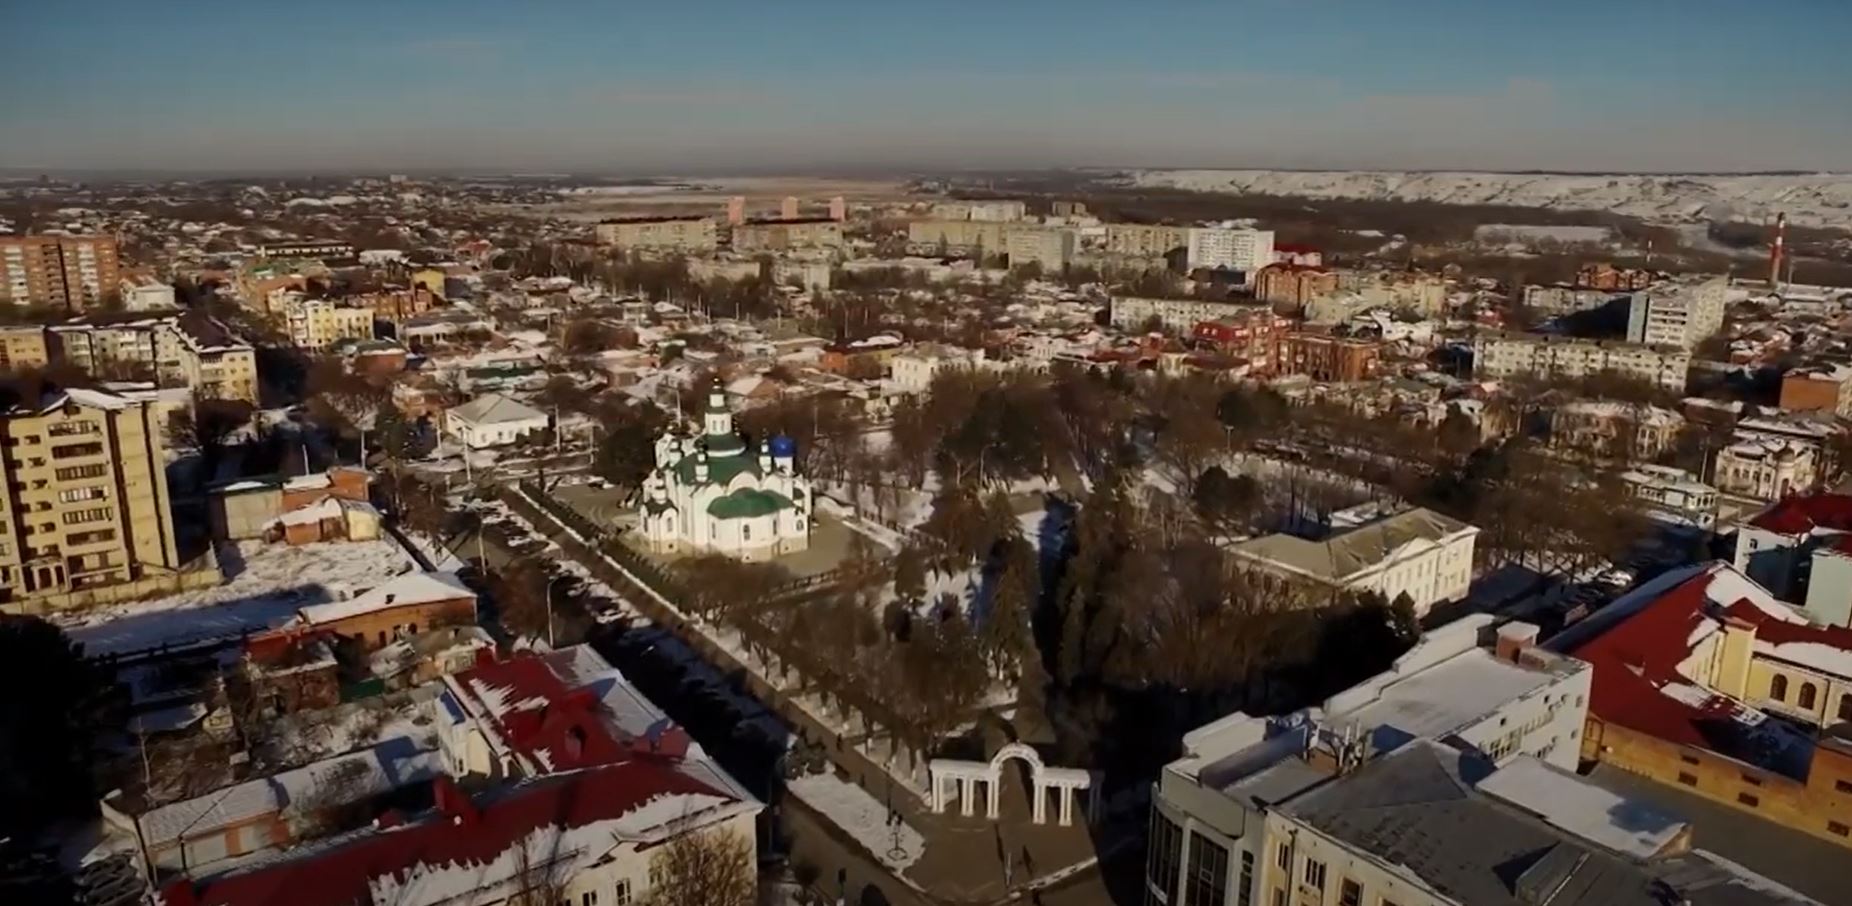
{"type": "Point", "coordinates": [714, 494]}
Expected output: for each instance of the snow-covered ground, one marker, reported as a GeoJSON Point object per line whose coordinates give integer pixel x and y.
{"type": "Point", "coordinates": [1819, 199]}
{"type": "Point", "coordinates": [265, 585]}
{"type": "Point", "coordinates": [886, 834]}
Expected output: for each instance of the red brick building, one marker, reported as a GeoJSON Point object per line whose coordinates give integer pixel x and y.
{"type": "Point", "coordinates": [1294, 285]}
{"type": "Point", "coordinates": [1252, 335]}
{"type": "Point", "coordinates": [1326, 358]}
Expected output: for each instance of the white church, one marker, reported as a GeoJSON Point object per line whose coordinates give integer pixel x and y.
{"type": "Point", "coordinates": [711, 494]}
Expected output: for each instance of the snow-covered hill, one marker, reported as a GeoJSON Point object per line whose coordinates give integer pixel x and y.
{"type": "Point", "coordinates": [1823, 199]}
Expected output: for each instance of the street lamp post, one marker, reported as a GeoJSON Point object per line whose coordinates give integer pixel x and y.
{"type": "Point", "coordinates": [550, 607]}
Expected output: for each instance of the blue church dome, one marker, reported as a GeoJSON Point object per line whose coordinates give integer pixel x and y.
{"type": "Point", "coordinates": [783, 447]}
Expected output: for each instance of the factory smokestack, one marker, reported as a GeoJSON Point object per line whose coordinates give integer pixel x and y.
{"type": "Point", "coordinates": [1777, 250]}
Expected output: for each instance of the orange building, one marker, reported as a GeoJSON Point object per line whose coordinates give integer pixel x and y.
{"type": "Point", "coordinates": [1292, 284]}
{"type": "Point", "coordinates": [69, 272]}
{"type": "Point", "coordinates": [1325, 358]}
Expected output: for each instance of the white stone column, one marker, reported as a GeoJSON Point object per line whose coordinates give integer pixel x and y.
{"type": "Point", "coordinates": [965, 796]}
{"type": "Point", "coordinates": [1040, 813]}
{"type": "Point", "coordinates": [993, 788]}
{"type": "Point", "coordinates": [1067, 805]}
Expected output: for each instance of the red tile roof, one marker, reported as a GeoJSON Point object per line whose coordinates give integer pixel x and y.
{"type": "Point", "coordinates": [461, 835]}
{"type": "Point", "coordinates": [559, 725]}
{"type": "Point", "coordinates": [1801, 513]}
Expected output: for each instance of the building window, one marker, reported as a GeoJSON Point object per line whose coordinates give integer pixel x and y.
{"type": "Point", "coordinates": [1752, 780]}
{"type": "Point", "coordinates": [1778, 688]}
{"type": "Point", "coordinates": [1244, 895]}
{"type": "Point", "coordinates": [1687, 779]}
{"type": "Point", "coordinates": [1284, 857]}
{"type": "Point", "coordinates": [1315, 873]}
{"type": "Point", "coordinates": [1808, 695]}
{"type": "Point", "coordinates": [1350, 893]}
{"type": "Point", "coordinates": [1843, 786]}
{"type": "Point", "coordinates": [621, 896]}
{"type": "Point", "coordinates": [1279, 897]}
{"type": "Point", "coordinates": [1161, 860]}
{"type": "Point", "coordinates": [1688, 759]}
{"type": "Point", "coordinates": [1748, 799]}
{"type": "Point", "coordinates": [1845, 706]}
{"type": "Point", "coordinates": [1208, 872]}
{"type": "Point", "coordinates": [1838, 829]}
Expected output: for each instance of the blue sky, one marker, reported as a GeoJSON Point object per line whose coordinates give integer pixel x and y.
{"type": "Point", "coordinates": [716, 84]}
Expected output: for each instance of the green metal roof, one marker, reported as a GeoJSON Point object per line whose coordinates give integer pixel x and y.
{"type": "Point", "coordinates": [747, 503]}
{"type": "Point", "coordinates": [720, 469]}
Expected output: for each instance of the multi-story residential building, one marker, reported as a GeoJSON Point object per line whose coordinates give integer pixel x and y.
{"type": "Point", "coordinates": [1251, 333]}
{"type": "Point", "coordinates": [214, 362]}
{"type": "Point", "coordinates": [86, 505]}
{"type": "Point", "coordinates": [782, 235]}
{"type": "Point", "coordinates": [134, 348]}
{"type": "Point", "coordinates": [1821, 388]}
{"type": "Point", "coordinates": [318, 249]}
{"type": "Point", "coordinates": [988, 211]}
{"type": "Point", "coordinates": [1179, 315]}
{"type": "Point", "coordinates": [316, 324]}
{"type": "Point", "coordinates": [1052, 248]}
{"type": "Point", "coordinates": [1246, 251]}
{"type": "Point", "coordinates": [1705, 682]}
{"type": "Point", "coordinates": [1765, 469]}
{"type": "Point", "coordinates": [1294, 285]}
{"type": "Point", "coordinates": [1559, 299]}
{"type": "Point", "coordinates": [693, 234]}
{"type": "Point", "coordinates": [1682, 316]}
{"type": "Point", "coordinates": [960, 238]}
{"type": "Point", "coordinates": [1145, 240]}
{"type": "Point", "coordinates": [395, 304]}
{"type": "Point", "coordinates": [1608, 278]}
{"type": "Point", "coordinates": [23, 346]}
{"type": "Point", "coordinates": [69, 272]}
{"type": "Point", "coordinates": [1672, 495]}
{"type": "Point", "coordinates": [1416, 552]}
{"type": "Point", "coordinates": [1609, 429]}
{"type": "Point", "coordinates": [1567, 358]}
{"type": "Point", "coordinates": [1323, 357]}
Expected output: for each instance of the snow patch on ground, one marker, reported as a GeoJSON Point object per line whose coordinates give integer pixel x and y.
{"type": "Point", "coordinates": [265, 585]}
{"type": "Point", "coordinates": [885, 833]}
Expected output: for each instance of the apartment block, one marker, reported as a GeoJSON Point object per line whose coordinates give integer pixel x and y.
{"type": "Point", "coordinates": [146, 294]}
{"type": "Point", "coordinates": [23, 347]}
{"type": "Point", "coordinates": [1323, 357]}
{"type": "Point", "coordinates": [1682, 316]}
{"type": "Point", "coordinates": [316, 324]}
{"type": "Point", "coordinates": [86, 502]}
{"type": "Point", "coordinates": [1567, 358]}
{"type": "Point", "coordinates": [782, 235]}
{"type": "Point", "coordinates": [72, 272]}
{"type": "Point", "coordinates": [1823, 388]}
{"type": "Point", "coordinates": [1242, 250]}
{"type": "Point", "coordinates": [987, 211]}
{"type": "Point", "coordinates": [136, 348]}
{"type": "Point", "coordinates": [319, 249]}
{"type": "Point", "coordinates": [961, 238]}
{"type": "Point", "coordinates": [1287, 284]}
{"type": "Point", "coordinates": [1050, 247]}
{"type": "Point", "coordinates": [214, 362]}
{"type": "Point", "coordinates": [1145, 240]}
{"type": "Point", "coordinates": [395, 304]}
{"type": "Point", "coordinates": [1179, 315]}
{"type": "Point", "coordinates": [669, 234]}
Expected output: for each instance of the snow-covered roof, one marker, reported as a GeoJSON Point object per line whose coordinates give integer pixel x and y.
{"type": "Point", "coordinates": [406, 590]}
{"type": "Point", "coordinates": [493, 408]}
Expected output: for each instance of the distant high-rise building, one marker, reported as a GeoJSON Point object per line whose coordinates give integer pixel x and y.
{"type": "Point", "coordinates": [736, 210]}
{"type": "Point", "coordinates": [73, 272]}
{"type": "Point", "coordinates": [1682, 316]}
{"type": "Point", "coordinates": [788, 209]}
{"type": "Point", "coordinates": [839, 208]}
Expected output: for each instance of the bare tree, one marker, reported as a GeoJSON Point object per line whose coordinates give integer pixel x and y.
{"type": "Point", "coordinates": [711, 868]}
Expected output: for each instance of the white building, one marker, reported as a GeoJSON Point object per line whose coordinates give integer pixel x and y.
{"type": "Point", "coordinates": [1557, 357]}
{"type": "Point", "coordinates": [1510, 703]}
{"type": "Point", "coordinates": [1765, 469]}
{"type": "Point", "coordinates": [1681, 316]}
{"type": "Point", "coordinates": [147, 295]}
{"type": "Point", "coordinates": [713, 494]}
{"type": "Point", "coordinates": [1215, 247]}
{"type": "Point", "coordinates": [1050, 247]}
{"type": "Point", "coordinates": [1181, 315]}
{"type": "Point", "coordinates": [1673, 495]}
{"type": "Point", "coordinates": [1417, 552]}
{"type": "Point", "coordinates": [492, 420]}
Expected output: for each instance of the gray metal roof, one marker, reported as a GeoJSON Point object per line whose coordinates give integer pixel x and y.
{"type": "Point", "coordinates": [1349, 552]}
{"type": "Point", "coordinates": [1414, 808]}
